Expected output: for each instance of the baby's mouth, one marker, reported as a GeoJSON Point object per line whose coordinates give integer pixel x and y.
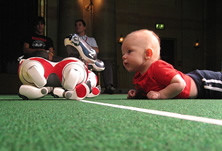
{"type": "Point", "coordinates": [125, 64]}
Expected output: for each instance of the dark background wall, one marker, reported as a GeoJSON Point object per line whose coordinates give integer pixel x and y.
{"type": "Point", "coordinates": [16, 21]}
{"type": "Point", "coordinates": [186, 21]}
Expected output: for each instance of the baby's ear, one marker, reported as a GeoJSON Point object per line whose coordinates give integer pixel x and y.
{"type": "Point", "coordinates": [149, 53]}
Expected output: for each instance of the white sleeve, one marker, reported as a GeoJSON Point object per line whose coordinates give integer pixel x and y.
{"type": "Point", "coordinates": [92, 42]}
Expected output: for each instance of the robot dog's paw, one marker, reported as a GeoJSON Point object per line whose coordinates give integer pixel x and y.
{"type": "Point", "coordinates": [58, 92]}
{"type": "Point", "coordinates": [31, 92]}
{"type": "Point", "coordinates": [95, 92]}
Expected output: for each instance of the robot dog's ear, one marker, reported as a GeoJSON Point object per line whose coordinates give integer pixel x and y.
{"type": "Point", "coordinates": [69, 36]}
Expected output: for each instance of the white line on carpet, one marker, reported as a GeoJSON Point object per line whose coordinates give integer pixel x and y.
{"type": "Point", "coordinates": [162, 113]}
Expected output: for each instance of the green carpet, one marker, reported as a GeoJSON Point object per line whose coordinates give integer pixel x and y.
{"type": "Point", "coordinates": [52, 124]}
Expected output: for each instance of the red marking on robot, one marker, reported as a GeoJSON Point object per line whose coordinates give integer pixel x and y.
{"type": "Point", "coordinates": [81, 91]}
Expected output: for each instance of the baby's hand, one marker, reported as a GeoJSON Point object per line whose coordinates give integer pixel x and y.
{"type": "Point", "coordinates": [153, 95]}
{"type": "Point", "coordinates": [131, 94]}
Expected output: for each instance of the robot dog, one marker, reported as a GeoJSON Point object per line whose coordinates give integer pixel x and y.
{"type": "Point", "coordinates": [69, 78]}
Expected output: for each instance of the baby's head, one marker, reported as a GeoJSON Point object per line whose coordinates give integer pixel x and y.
{"type": "Point", "coordinates": [145, 39]}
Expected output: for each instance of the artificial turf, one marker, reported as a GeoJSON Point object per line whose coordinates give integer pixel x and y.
{"type": "Point", "coordinates": [57, 124]}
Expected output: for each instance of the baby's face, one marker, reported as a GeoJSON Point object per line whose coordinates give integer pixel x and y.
{"type": "Point", "coordinates": [140, 49]}
{"type": "Point", "coordinates": [133, 54]}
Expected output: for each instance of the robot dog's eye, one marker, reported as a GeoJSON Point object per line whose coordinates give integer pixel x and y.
{"type": "Point", "coordinates": [75, 40]}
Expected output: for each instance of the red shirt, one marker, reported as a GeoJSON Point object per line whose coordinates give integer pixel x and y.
{"type": "Point", "coordinates": [158, 76]}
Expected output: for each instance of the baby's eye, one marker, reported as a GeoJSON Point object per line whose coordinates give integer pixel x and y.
{"type": "Point", "coordinates": [129, 51]}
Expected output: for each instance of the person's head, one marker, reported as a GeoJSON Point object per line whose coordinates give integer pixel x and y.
{"type": "Point", "coordinates": [80, 27]}
{"type": "Point", "coordinates": [39, 25]}
{"type": "Point", "coordinates": [140, 49]}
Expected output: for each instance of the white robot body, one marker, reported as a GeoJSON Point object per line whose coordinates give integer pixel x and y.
{"type": "Point", "coordinates": [69, 78]}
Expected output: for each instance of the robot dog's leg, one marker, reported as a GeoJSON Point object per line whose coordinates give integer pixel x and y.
{"type": "Point", "coordinates": [71, 79]}
{"type": "Point", "coordinates": [31, 92]}
{"type": "Point", "coordinates": [38, 79]}
{"type": "Point", "coordinates": [58, 92]}
{"type": "Point", "coordinates": [79, 93]}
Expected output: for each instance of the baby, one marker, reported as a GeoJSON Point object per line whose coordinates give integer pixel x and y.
{"type": "Point", "coordinates": [157, 79]}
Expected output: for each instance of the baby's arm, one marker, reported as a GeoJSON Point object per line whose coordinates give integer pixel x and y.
{"type": "Point", "coordinates": [176, 86]}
